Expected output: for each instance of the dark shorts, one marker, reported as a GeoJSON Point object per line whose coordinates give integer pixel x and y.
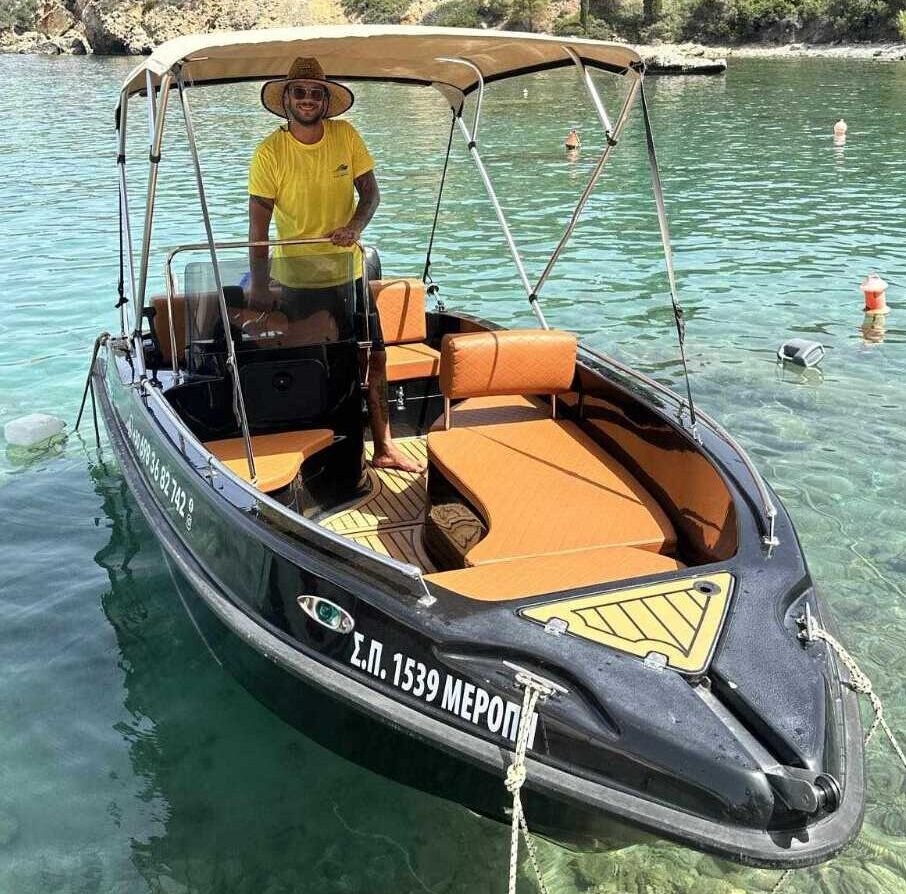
{"type": "Point", "coordinates": [298, 304]}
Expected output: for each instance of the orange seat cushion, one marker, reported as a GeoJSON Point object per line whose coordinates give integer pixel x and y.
{"type": "Point", "coordinates": [542, 484]}
{"type": "Point", "coordinates": [536, 575]}
{"type": "Point", "coordinates": [412, 361]}
{"type": "Point", "coordinates": [400, 305]}
{"type": "Point", "coordinates": [278, 457]}
{"type": "Point", "coordinates": [162, 328]}
{"type": "Point", "coordinates": [507, 361]}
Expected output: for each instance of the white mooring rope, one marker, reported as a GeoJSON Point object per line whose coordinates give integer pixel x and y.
{"type": "Point", "coordinates": [858, 682]}
{"type": "Point", "coordinates": [515, 777]}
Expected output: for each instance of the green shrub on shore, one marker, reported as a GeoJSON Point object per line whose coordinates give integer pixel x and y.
{"type": "Point", "coordinates": [17, 13]}
{"type": "Point", "coordinates": [467, 14]}
{"type": "Point", "coordinates": [376, 12]}
{"type": "Point", "coordinates": [572, 25]}
{"type": "Point", "coordinates": [864, 19]}
{"type": "Point", "coordinates": [737, 21]}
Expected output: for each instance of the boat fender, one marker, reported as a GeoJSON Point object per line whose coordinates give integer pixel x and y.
{"type": "Point", "coordinates": [34, 430]}
{"type": "Point", "coordinates": [802, 352]}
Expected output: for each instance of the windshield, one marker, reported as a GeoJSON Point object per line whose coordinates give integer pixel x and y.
{"type": "Point", "coordinates": [310, 300]}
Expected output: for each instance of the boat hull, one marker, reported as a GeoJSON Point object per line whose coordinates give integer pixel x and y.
{"type": "Point", "coordinates": [227, 563]}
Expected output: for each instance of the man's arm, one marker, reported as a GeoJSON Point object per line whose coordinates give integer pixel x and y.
{"type": "Point", "coordinates": [260, 212]}
{"type": "Point", "coordinates": [369, 199]}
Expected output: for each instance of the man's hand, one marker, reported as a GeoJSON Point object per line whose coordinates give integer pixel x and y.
{"type": "Point", "coordinates": [345, 236]}
{"type": "Point", "coordinates": [260, 298]}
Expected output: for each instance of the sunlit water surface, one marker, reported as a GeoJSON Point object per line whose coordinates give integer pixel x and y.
{"type": "Point", "coordinates": [129, 761]}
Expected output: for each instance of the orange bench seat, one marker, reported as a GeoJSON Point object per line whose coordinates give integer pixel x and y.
{"type": "Point", "coordinates": [278, 457]}
{"type": "Point", "coordinates": [542, 485]}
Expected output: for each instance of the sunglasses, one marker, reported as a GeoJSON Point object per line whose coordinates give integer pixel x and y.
{"type": "Point", "coordinates": [315, 93]}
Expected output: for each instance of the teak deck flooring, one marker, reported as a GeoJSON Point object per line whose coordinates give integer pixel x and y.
{"type": "Point", "coordinates": [390, 519]}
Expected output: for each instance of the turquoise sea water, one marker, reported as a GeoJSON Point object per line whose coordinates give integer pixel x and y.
{"type": "Point", "coordinates": [129, 761]}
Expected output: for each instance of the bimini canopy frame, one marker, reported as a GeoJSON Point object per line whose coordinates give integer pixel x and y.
{"type": "Point", "coordinates": [412, 55]}
{"type": "Point", "coordinates": [457, 62]}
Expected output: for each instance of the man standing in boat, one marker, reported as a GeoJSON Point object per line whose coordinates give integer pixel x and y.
{"type": "Point", "coordinates": [307, 175]}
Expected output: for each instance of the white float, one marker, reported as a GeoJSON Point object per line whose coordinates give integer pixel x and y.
{"type": "Point", "coordinates": [32, 430]}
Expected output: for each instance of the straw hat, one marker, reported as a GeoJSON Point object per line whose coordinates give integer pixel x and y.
{"type": "Point", "coordinates": [306, 69]}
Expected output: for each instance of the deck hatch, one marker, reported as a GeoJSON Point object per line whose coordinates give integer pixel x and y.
{"type": "Point", "coordinates": [680, 619]}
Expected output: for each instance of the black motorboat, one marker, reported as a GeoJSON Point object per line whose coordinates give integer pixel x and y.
{"type": "Point", "coordinates": [582, 534]}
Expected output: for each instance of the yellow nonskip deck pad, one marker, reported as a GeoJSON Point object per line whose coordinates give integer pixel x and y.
{"type": "Point", "coordinates": [679, 619]}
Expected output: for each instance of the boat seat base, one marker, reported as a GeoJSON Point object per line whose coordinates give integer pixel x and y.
{"type": "Point", "coordinates": [278, 457]}
{"type": "Point", "coordinates": [538, 575]}
{"type": "Point", "coordinates": [411, 361]}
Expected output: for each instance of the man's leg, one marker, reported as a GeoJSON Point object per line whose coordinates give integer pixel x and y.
{"type": "Point", "coordinates": [386, 454]}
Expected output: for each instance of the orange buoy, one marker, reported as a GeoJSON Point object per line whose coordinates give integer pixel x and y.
{"type": "Point", "coordinates": [572, 139]}
{"type": "Point", "coordinates": [875, 291]}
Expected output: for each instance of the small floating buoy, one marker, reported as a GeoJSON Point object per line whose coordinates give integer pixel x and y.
{"type": "Point", "coordinates": [840, 133]}
{"type": "Point", "coordinates": [802, 352]}
{"type": "Point", "coordinates": [33, 431]}
{"type": "Point", "coordinates": [572, 139]}
{"type": "Point", "coordinates": [875, 291]}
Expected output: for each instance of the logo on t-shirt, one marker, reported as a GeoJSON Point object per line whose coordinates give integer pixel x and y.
{"type": "Point", "coordinates": [341, 170]}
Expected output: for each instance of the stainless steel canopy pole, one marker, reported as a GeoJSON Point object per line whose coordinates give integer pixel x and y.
{"type": "Point", "coordinates": [124, 208]}
{"type": "Point", "coordinates": [592, 90]}
{"type": "Point", "coordinates": [165, 83]}
{"type": "Point", "coordinates": [232, 365]}
{"type": "Point", "coordinates": [489, 188]}
{"type": "Point", "coordinates": [611, 137]}
{"type": "Point", "coordinates": [668, 254]}
{"type": "Point", "coordinates": [152, 106]}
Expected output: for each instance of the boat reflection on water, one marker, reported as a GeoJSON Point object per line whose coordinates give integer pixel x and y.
{"type": "Point", "coordinates": [248, 801]}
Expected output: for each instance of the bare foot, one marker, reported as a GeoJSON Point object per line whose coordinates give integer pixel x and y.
{"type": "Point", "coordinates": [391, 457]}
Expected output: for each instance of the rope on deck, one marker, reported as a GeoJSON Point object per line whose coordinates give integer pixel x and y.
{"type": "Point", "coordinates": [535, 690]}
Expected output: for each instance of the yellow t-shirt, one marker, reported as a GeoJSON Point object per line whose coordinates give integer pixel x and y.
{"type": "Point", "coordinates": [313, 192]}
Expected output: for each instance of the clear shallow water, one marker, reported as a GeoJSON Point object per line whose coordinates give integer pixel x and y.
{"type": "Point", "coordinates": [129, 761]}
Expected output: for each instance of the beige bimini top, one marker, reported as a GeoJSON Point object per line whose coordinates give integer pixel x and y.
{"type": "Point", "coordinates": [409, 54]}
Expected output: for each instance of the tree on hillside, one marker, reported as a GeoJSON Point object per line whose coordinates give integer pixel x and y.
{"type": "Point", "coordinates": [651, 11]}
{"type": "Point", "coordinates": [528, 14]}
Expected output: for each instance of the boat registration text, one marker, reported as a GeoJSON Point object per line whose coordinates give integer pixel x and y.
{"type": "Point", "coordinates": [158, 471]}
{"type": "Point", "coordinates": [451, 693]}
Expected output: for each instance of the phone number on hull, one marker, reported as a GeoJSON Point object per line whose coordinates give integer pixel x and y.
{"type": "Point", "coordinates": [451, 693]}
{"type": "Point", "coordinates": [160, 474]}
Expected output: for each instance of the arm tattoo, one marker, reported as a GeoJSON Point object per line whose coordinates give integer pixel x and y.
{"type": "Point", "coordinates": [369, 199]}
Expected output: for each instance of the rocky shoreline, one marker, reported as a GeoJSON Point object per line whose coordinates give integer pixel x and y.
{"type": "Point", "coordinates": [81, 27]}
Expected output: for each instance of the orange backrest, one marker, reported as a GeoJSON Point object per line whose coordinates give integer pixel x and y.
{"type": "Point", "coordinates": [400, 305]}
{"type": "Point", "coordinates": [508, 361]}
{"type": "Point", "coordinates": [162, 326]}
